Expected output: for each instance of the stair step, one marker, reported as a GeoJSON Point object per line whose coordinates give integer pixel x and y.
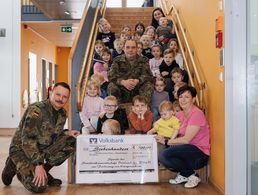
{"type": "Point", "coordinates": [118, 17]}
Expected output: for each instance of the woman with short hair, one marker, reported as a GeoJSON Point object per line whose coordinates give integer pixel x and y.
{"type": "Point", "coordinates": [190, 150]}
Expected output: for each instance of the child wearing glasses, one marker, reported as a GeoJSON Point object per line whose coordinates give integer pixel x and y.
{"type": "Point", "coordinates": [110, 112]}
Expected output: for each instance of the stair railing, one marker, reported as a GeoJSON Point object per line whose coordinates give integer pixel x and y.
{"type": "Point", "coordinates": [191, 61]}
{"type": "Point", "coordinates": [87, 62]}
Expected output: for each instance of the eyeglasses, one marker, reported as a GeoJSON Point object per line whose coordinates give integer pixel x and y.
{"type": "Point", "coordinates": [110, 106]}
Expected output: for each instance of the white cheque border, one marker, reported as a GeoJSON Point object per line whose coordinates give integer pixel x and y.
{"type": "Point", "coordinates": [99, 158]}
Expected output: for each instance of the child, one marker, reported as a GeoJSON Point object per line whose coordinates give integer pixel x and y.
{"type": "Point", "coordinates": [137, 36]}
{"type": "Point", "coordinates": [140, 117]}
{"type": "Point", "coordinates": [92, 106]}
{"type": "Point", "coordinates": [151, 32]}
{"type": "Point", "coordinates": [98, 48]}
{"type": "Point", "coordinates": [146, 50]}
{"type": "Point", "coordinates": [168, 125]}
{"type": "Point", "coordinates": [139, 48]}
{"type": "Point", "coordinates": [173, 44]}
{"type": "Point", "coordinates": [176, 87]}
{"type": "Point", "coordinates": [127, 29]}
{"type": "Point", "coordinates": [155, 62]}
{"type": "Point", "coordinates": [105, 35]}
{"type": "Point", "coordinates": [110, 112]}
{"type": "Point", "coordinates": [124, 36]}
{"type": "Point", "coordinates": [103, 84]}
{"type": "Point", "coordinates": [164, 32]}
{"type": "Point", "coordinates": [158, 96]}
{"type": "Point", "coordinates": [119, 46]}
{"type": "Point", "coordinates": [111, 127]}
{"type": "Point", "coordinates": [102, 67]}
{"type": "Point", "coordinates": [177, 81]}
{"type": "Point", "coordinates": [176, 75]}
{"type": "Point", "coordinates": [166, 67]}
{"type": "Point", "coordinates": [176, 106]}
{"type": "Point", "coordinates": [139, 27]}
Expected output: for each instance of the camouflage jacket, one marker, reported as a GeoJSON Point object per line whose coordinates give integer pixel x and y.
{"type": "Point", "coordinates": [37, 130]}
{"type": "Point", "coordinates": [121, 69]}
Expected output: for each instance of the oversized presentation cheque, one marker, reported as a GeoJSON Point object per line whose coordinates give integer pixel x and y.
{"type": "Point", "coordinates": [116, 159]}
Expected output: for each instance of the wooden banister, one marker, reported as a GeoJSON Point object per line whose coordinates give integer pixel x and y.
{"type": "Point", "coordinates": [191, 62]}
{"type": "Point", "coordinates": [86, 65]}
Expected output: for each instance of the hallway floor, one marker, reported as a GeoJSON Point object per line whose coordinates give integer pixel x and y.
{"type": "Point", "coordinates": [164, 188]}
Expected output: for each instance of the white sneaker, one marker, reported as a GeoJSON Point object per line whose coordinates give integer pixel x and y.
{"type": "Point", "coordinates": [179, 179]}
{"type": "Point", "coordinates": [193, 181]}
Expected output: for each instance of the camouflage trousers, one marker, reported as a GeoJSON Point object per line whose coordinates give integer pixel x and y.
{"type": "Point", "coordinates": [55, 155]}
{"type": "Point", "coordinates": [124, 95]}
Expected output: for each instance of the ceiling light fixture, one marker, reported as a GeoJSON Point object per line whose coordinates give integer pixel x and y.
{"type": "Point", "coordinates": [67, 13]}
{"type": "Point", "coordinates": [62, 2]}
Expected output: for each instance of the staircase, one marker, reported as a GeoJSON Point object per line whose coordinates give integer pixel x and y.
{"type": "Point", "coordinates": [118, 17]}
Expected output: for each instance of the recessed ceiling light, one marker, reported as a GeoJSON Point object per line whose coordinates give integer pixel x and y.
{"type": "Point", "coordinates": [62, 2]}
{"type": "Point", "coordinates": [67, 13]}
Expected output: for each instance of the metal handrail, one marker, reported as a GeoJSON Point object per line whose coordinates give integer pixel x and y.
{"type": "Point", "coordinates": [172, 13]}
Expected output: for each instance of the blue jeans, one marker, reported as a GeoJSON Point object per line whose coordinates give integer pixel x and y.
{"type": "Point", "coordinates": [155, 111]}
{"type": "Point", "coordinates": [183, 158]}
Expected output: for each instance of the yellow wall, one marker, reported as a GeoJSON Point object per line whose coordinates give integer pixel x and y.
{"type": "Point", "coordinates": [44, 49]}
{"type": "Point", "coordinates": [62, 54]}
{"type": "Point", "coordinates": [33, 42]}
{"type": "Point", "coordinates": [199, 17]}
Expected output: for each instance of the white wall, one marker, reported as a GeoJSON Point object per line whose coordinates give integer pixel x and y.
{"type": "Point", "coordinates": [10, 71]}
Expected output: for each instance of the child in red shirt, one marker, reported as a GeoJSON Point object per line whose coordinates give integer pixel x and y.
{"type": "Point", "coordinates": [140, 117]}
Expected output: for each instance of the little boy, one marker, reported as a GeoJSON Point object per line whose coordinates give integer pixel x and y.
{"type": "Point", "coordinates": [110, 112]}
{"type": "Point", "coordinates": [111, 127]}
{"type": "Point", "coordinates": [119, 46]}
{"type": "Point", "coordinates": [140, 117]}
{"type": "Point", "coordinates": [166, 67]}
{"type": "Point", "coordinates": [146, 50]}
{"type": "Point", "coordinates": [164, 32]}
{"type": "Point", "coordinates": [177, 82]}
{"type": "Point", "coordinates": [168, 125]}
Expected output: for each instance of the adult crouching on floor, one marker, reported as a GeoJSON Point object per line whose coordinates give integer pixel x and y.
{"type": "Point", "coordinates": [190, 150]}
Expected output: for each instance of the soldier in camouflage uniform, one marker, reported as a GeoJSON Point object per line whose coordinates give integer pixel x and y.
{"type": "Point", "coordinates": [40, 142]}
{"type": "Point", "coordinates": [130, 75]}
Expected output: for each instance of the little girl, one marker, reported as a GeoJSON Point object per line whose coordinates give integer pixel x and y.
{"type": "Point", "coordinates": [98, 48]}
{"type": "Point", "coordinates": [158, 96]}
{"type": "Point", "coordinates": [105, 35]}
{"type": "Point", "coordinates": [93, 105]}
{"type": "Point", "coordinates": [151, 32]}
{"type": "Point", "coordinates": [139, 27]}
{"type": "Point", "coordinates": [102, 67]}
{"type": "Point", "coordinates": [173, 44]}
{"type": "Point", "coordinates": [155, 62]}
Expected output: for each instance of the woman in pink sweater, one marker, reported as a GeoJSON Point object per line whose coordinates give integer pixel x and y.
{"type": "Point", "coordinates": [191, 149]}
